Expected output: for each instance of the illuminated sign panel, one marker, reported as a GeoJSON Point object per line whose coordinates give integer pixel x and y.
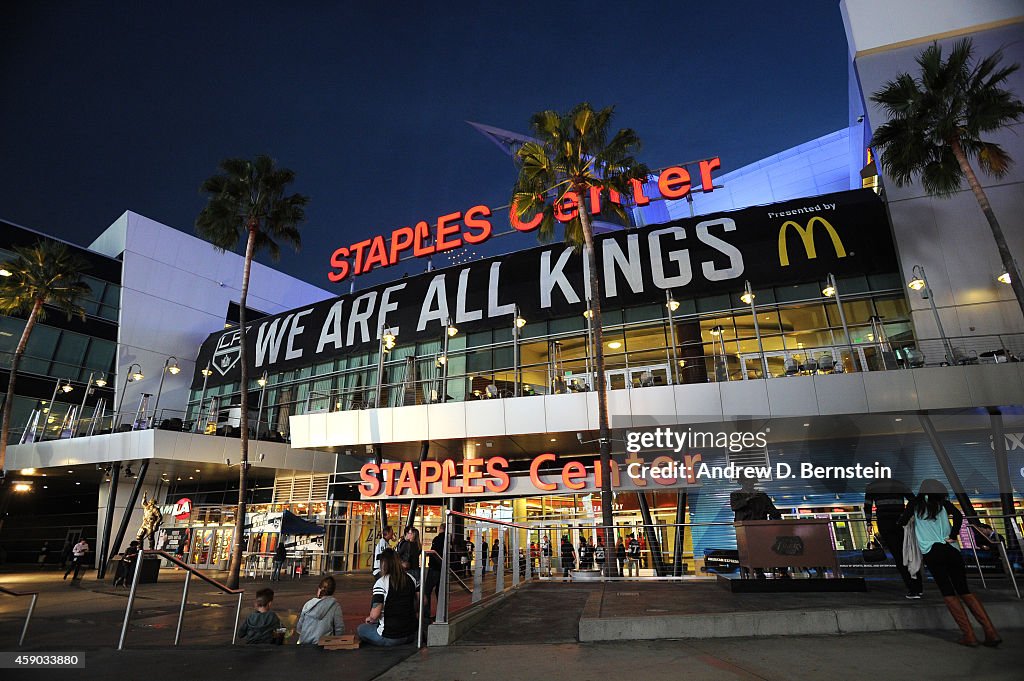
{"type": "Point", "coordinates": [794, 242]}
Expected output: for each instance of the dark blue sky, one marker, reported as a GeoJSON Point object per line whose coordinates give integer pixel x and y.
{"type": "Point", "coordinates": [129, 106]}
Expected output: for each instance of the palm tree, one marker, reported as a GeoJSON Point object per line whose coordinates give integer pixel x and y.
{"type": "Point", "coordinates": [573, 153]}
{"type": "Point", "coordinates": [935, 125]}
{"type": "Point", "coordinates": [48, 274]}
{"type": "Point", "coordinates": [247, 201]}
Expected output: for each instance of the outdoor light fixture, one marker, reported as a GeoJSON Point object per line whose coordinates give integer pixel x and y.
{"type": "Point", "coordinates": [920, 283]}
{"type": "Point", "coordinates": [100, 382]}
{"type": "Point", "coordinates": [452, 331]}
{"type": "Point", "coordinates": [672, 304]}
{"type": "Point", "coordinates": [828, 291]}
{"type": "Point", "coordinates": [206, 372]}
{"type": "Point", "coordinates": [67, 387]}
{"type": "Point", "coordinates": [716, 330]}
{"type": "Point", "coordinates": [747, 297]}
{"type": "Point", "coordinates": [441, 360]}
{"type": "Point", "coordinates": [1004, 278]}
{"type": "Point", "coordinates": [136, 375]}
{"type": "Point", "coordinates": [589, 314]}
{"type": "Point", "coordinates": [262, 380]}
{"type": "Point", "coordinates": [5, 272]}
{"type": "Point", "coordinates": [520, 322]}
{"type": "Point", "coordinates": [682, 363]}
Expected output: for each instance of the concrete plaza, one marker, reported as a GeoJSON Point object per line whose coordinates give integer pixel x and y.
{"type": "Point", "coordinates": [533, 634]}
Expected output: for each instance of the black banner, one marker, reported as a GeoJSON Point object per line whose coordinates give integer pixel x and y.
{"type": "Point", "coordinates": [798, 241]}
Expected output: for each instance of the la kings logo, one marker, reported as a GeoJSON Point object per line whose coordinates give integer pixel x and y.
{"type": "Point", "coordinates": [228, 352]}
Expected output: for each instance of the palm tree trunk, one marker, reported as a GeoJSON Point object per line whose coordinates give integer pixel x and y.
{"type": "Point", "coordinates": [243, 422]}
{"type": "Point", "coordinates": [604, 435]}
{"type": "Point", "coordinates": [5, 428]}
{"type": "Point", "coordinates": [997, 231]}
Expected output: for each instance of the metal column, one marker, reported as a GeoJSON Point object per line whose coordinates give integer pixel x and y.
{"type": "Point", "coordinates": [108, 518]}
{"type": "Point", "coordinates": [126, 518]}
{"type": "Point", "coordinates": [947, 466]}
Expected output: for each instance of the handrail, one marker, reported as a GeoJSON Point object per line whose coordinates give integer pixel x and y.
{"type": "Point", "coordinates": [31, 608]}
{"type": "Point", "coordinates": [189, 571]}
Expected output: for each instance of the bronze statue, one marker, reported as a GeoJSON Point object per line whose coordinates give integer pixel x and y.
{"type": "Point", "coordinates": [152, 519]}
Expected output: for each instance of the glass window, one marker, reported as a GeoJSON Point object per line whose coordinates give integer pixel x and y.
{"type": "Point", "coordinates": [713, 303]}
{"type": "Point", "coordinates": [891, 309]}
{"type": "Point", "coordinates": [566, 324]}
{"type": "Point", "coordinates": [645, 313]}
{"type": "Point", "coordinates": [785, 294]}
{"type": "Point", "coordinates": [803, 318]}
{"type": "Point", "coordinates": [10, 334]}
{"type": "Point", "coordinates": [71, 350]}
{"type": "Point", "coordinates": [41, 346]}
{"type": "Point", "coordinates": [885, 282]}
{"type": "Point", "coordinates": [100, 356]}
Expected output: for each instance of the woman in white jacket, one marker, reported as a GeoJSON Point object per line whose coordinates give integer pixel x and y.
{"type": "Point", "coordinates": [320, 616]}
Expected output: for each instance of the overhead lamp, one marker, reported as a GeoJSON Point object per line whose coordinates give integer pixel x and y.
{"type": "Point", "coordinates": [206, 372]}
{"type": "Point", "coordinates": [28, 471]}
{"type": "Point", "coordinates": [589, 314]}
{"type": "Point", "coordinates": [520, 322]}
{"type": "Point", "coordinates": [916, 284]}
{"type": "Point", "coordinates": [716, 330]}
{"type": "Point", "coordinates": [137, 375]}
{"type": "Point", "coordinates": [747, 297]}
{"type": "Point", "coordinates": [615, 345]}
{"type": "Point", "coordinates": [67, 387]}
{"type": "Point", "coordinates": [672, 304]}
{"type": "Point", "coordinates": [262, 380]}
{"type": "Point", "coordinates": [829, 291]}
{"type": "Point", "coordinates": [100, 382]}
{"type": "Point", "coordinates": [1004, 278]}
{"type": "Point", "coordinates": [4, 272]}
{"type": "Point", "coordinates": [172, 366]}
{"type": "Point", "coordinates": [452, 331]}
{"type": "Point", "coordinates": [23, 487]}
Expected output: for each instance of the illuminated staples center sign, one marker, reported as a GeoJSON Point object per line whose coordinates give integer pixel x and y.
{"type": "Point", "coordinates": [458, 229]}
{"type": "Point", "coordinates": [800, 241]}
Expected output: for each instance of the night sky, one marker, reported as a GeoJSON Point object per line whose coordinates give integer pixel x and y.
{"type": "Point", "coordinates": [121, 106]}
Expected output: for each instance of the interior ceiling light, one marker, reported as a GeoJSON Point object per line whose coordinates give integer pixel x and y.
{"type": "Point", "coordinates": [615, 345]}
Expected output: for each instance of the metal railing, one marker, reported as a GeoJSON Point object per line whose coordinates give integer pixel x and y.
{"type": "Point", "coordinates": [189, 571]}
{"type": "Point", "coordinates": [31, 608]}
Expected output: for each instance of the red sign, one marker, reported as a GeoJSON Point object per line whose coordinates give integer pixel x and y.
{"type": "Point", "coordinates": [455, 230]}
{"type": "Point", "coordinates": [182, 508]}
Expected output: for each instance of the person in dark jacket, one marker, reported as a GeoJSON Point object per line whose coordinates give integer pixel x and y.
{"type": "Point", "coordinates": [886, 500]}
{"type": "Point", "coordinates": [568, 554]}
{"type": "Point", "coordinates": [494, 556]}
{"type": "Point", "coordinates": [261, 626]}
{"type": "Point", "coordinates": [280, 556]}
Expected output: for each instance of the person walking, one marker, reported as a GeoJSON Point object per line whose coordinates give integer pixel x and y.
{"type": "Point", "coordinates": [632, 556]}
{"type": "Point", "coordinates": [435, 564]}
{"type": "Point", "coordinates": [320, 615]}
{"type": "Point", "coordinates": [568, 555]}
{"type": "Point", "coordinates": [929, 518]}
{"type": "Point", "coordinates": [44, 551]}
{"type": "Point", "coordinates": [78, 554]}
{"type": "Point", "coordinates": [887, 500]}
{"type": "Point", "coordinates": [280, 556]}
{"type": "Point", "coordinates": [545, 555]}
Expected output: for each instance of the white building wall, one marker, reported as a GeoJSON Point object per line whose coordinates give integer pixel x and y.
{"type": "Point", "coordinates": [175, 291]}
{"type": "Point", "coordinates": [950, 238]}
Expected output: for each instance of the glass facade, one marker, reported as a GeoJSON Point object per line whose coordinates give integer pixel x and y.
{"type": "Point", "coordinates": [797, 330]}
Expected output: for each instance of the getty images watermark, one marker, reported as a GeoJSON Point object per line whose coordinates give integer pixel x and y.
{"type": "Point", "coordinates": [663, 439]}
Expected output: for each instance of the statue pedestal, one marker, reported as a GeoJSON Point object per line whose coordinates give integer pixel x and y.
{"type": "Point", "coordinates": [150, 571]}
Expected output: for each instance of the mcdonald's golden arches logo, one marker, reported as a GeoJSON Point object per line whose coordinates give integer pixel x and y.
{"type": "Point", "coordinates": [807, 238]}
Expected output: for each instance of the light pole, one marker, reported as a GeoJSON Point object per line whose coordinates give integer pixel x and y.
{"type": "Point", "coordinates": [518, 322]}
{"type": "Point", "coordinates": [64, 385]}
{"type": "Point", "coordinates": [99, 382]}
{"type": "Point", "coordinates": [920, 283]}
{"type": "Point", "coordinates": [671, 304]}
{"type": "Point", "coordinates": [170, 367]}
{"type": "Point", "coordinates": [387, 344]}
{"type": "Point", "coordinates": [748, 298]}
{"type": "Point", "coordinates": [134, 373]}
{"type": "Point", "coordinates": [832, 290]}
{"type": "Point", "coordinates": [262, 382]}
{"type": "Point", "coordinates": [202, 397]}
{"type": "Point", "coordinates": [449, 332]}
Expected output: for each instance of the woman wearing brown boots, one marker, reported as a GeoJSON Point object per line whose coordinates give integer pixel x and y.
{"type": "Point", "coordinates": [937, 536]}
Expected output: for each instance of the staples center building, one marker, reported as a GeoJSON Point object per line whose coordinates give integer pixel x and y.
{"type": "Point", "coordinates": [472, 385]}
